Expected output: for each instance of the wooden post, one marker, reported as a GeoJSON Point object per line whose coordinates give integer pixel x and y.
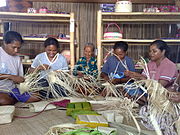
{"type": "Point", "coordinates": [99, 32]}
{"type": "Point", "coordinates": [1, 27]}
{"type": "Point", "coordinates": [77, 41]}
{"type": "Point", "coordinates": [72, 40]}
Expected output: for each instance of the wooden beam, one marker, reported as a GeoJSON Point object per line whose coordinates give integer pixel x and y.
{"type": "Point", "coordinates": [109, 1]}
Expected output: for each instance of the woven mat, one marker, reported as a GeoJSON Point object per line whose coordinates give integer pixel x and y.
{"type": "Point", "coordinates": [40, 124]}
{"type": "Point", "coordinates": [37, 125]}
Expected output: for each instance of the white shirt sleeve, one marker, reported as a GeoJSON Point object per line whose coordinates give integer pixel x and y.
{"type": "Point", "coordinates": [65, 65]}
{"type": "Point", "coordinates": [36, 62]}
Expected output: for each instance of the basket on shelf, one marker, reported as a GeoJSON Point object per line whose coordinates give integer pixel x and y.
{"type": "Point", "coordinates": [123, 6]}
{"type": "Point", "coordinates": [113, 35]}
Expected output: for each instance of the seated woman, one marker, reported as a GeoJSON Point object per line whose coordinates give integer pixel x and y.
{"type": "Point", "coordinates": [11, 71]}
{"type": "Point", "coordinates": [49, 60]}
{"type": "Point", "coordinates": [117, 64]}
{"type": "Point", "coordinates": [88, 63]}
{"type": "Point", "coordinates": [160, 68]}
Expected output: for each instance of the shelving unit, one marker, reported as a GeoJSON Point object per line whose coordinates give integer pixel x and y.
{"type": "Point", "coordinates": [132, 18]}
{"type": "Point", "coordinates": [43, 18]}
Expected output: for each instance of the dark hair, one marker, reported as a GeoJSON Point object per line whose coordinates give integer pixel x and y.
{"type": "Point", "coordinates": [161, 45]}
{"type": "Point", "coordinates": [11, 36]}
{"type": "Point", "coordinates": [121, 45]}
{"type": "Point", "coordinates": [51, 41]}
{"type": "Point", "coordinates": [90, 45]}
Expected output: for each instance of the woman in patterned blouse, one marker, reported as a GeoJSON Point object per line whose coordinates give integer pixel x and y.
{"type": "Point", "coordinates": [88, 63]}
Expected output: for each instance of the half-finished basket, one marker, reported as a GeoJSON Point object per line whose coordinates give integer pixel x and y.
{"type": "Point", "coordinates": [6, 114]}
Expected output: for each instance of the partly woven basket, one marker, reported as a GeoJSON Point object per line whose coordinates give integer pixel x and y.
{"type": "Point", "coordinates": [178, 126]}
{"type": "Point", "coordinates": [113, 35]}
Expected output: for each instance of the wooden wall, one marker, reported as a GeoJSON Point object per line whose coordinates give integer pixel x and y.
{"type": "Point", "coordinates": [85, 16]}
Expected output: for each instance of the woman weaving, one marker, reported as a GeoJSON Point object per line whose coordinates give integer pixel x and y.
{"type": "Point", "coordinates": [47, 61]}
{"type": "Point", "coordinates": [160, 68]}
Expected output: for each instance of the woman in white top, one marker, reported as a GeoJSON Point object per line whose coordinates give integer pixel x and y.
{"type": "Point", "coordinates": [50, 59]}
{"type": "Point", "coordinates": [47, 61]}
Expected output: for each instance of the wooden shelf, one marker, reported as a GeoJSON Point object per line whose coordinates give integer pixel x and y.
{"type": "Point", "coordinates": [161, 17]}
{"type": "Point", "coordinates": [132, 18]}
{"type": "Point", "coordinates": [141, 13]}
{"type": "Point", "coordinates": [42, 39]}
{"type": "Point", "coordinates": [108, 41]}
{"type": "Point", "coordinates": [141, 40]}
{"type": "Point", "coordinates": [45, 18]}
{"type": "Point", "coordinates": [31, 17]}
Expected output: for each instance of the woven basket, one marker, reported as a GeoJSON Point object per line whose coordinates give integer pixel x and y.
{"type": "Point", "coordinates": [113, 35]}
{"type": "Point", "coordinates": [123, 6]}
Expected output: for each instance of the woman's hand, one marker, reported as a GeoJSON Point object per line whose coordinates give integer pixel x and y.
{"type": "Point", "coordinates": [40, 67]}
{"type": "Point", "coordinates": [104, 76]}
{"type": "Point", "coordinates": [174, 97]}
{"type": "Point", "coordinates": [43, 67]}
{"type": "Point", "coordinates": [80, 74]}
{"type": "Point", "coordinates": [130, 74]}
{"type": "Point", "coordinates": [115, 81]}
{"type": "Point", "coordinates": [127, 73]}
{"type": "Point", "coordinates": [135, 75]}
{"type": "Point", "coordinates": [16, 79]}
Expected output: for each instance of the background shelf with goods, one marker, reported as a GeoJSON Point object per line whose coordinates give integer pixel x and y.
{"type": "Point", "coordinates": [31, 25]}
{"type": "Point", "coordinates": [139, 29]}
